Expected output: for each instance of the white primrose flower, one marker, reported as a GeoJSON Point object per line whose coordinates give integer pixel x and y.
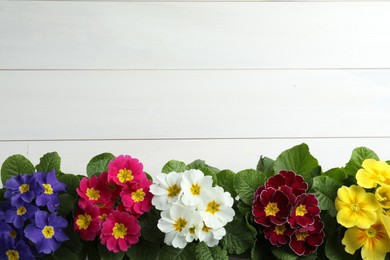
{"type": "Point", "coordinates": [211, 236]}
{"type": "Point", "coordinates": [166, 190]}
{"type": "Point", "coordinates": [175, 223]}
{"type": "Point", "coordinates": [195, 187]}
{"type": "Point", "coordinates": [216, 209]}
{"type": "Point", "coordinates": [195, 227]}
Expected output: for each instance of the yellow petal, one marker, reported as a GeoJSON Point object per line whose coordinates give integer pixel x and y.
{"type": "Point", "coordinates": [347, 217]}
{"type": "Point", "coordinates": [358, 194]}
{"type": "Point", "coordinates": [353, 239]}
{"type": "Point", "coordinates": [341, 204]}
{"type": "Point", "coordinates": [370, 203]}
{"type": "Point", "coordinates": [366, 179]}
{"type": "Point", "coordinates": [366, 218]}
{"type": "Point", "coordinates": [344, 194]}
{"type": "Point", "coordinates": [372, 254]}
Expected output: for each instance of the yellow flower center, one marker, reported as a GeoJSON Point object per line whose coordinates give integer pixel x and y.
{"type": "Point", "coordinates": [103, 217]}
{"type": "Point", "coordinates": [48, 231]}
{"type": "Point", "coordinates": [12, 254]}
{"type": "Point", "coordinates": [48, 189]}
{"type": "Point", "coordinates": [173, 191]}
{"type": "Point", "coordinates": [195, 189]}
{"type": "Point", "coordinates": [179, 224]}
{"type": "Point", "coordinates": [21, 211]}
{"type": "Point", "coordinates": [301, 236]}
{"type": "Point", "coordinates": [280, 229]}
{"type": "Point", "coordinates": [119, 230]}
{"type": "Point", "coordinates": [271, 209]}
{"type": "Point", "coordinates": [12, 233]}
{"type": "Point", "coordinates": [381, 178]}
{"type": "Point", "coordinates": [371, 232]}
{"type": "Point", "coordinates": [83, 221]}
{"type": "Point", "coordinates": [301, 210]}
{"type": "Point", "coordinates": [138, 195]}
{"type": "Point", "coordinates": [192, 230]}
{"type": "Point", "coordinates": [125, 175]}
{"type": "Point", "coordinates": [93, 194]}
{"type": "Point", "coordinates": [100, 204]}
{"type": "Point", "coordinates": [212, 207]}
{"type": "Point", "coordinates": [205, 228]}
{"type": "Point", "coordinates": [24, 188]}
{"type": "Point", "coordinates": [355, 207]}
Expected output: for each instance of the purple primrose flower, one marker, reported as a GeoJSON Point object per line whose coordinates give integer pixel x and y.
{"type": "Point", "coordinates": [50, 187]}
{"type": "Point", "coordinates": [10, 249]}
{"type": "Point", "coordinates": [17, 215]}
{"type": "Point", "coordinates": [21, 188]}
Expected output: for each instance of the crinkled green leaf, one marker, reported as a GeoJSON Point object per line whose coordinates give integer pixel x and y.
{"type": "Point", "coordinates": [283, 253]}
{"type": "Point", "coordinates": [64, 253]}
{"type": "Point", "coordinates": [325, 188]}
{"type": "Point", "coordinates": [67, 204]}
{"type": "Point", "coordinates": [246, 183]}
{"type": "Point", "coordinates": [149, 229]}
{"type": "Point", "coordinates": [15, 165]}
{"type": "Point", "coordinates": [49, 162]}
{"type": "Point", "coordinates": [174, 166]}
{"type": "Point", "coordinates": [171, 253]}
{"type": "Point", "coordinates": [105, 254]}
{"type": "Point", "coordinates": [71, 181]}
{"type": "Point", "coordinates": [297, 159]}
{"type": "Point", "coordinates": [99, 164]}
{"type": "Point", "coordinates": [334, 250]}
{"type": "Point", "coordinates": [243, 208]}
{"type": "Point", "coordinates": [358, 156]}
{"type": "Point", "coordinates": [238, 238]}
{"type": "Point", "coordinates": [198, 164]}
{"type": "Point", "coordinates": [266, 166]}
{"type": "Point", "coordinates": [203, 252]}
{"type": "Point", "coordinates": [143, 250]}
{"type": "Point", "coordinates": [209, 172]}
{"type": "Point", "coordinates": [226, 181]}
{"type": "Point", "coordinates": [336, 174]}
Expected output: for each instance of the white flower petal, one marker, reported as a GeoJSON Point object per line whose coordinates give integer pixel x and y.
{"type": "Point", "coordinates": [179, 241]}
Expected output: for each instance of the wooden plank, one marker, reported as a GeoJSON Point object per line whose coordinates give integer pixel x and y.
{"type": "Point", "coordinates": [66, 105]}
{"type": "Point", "coordinates": [193, 35]}
{"type": "Point", "coordinates": [224, 154]}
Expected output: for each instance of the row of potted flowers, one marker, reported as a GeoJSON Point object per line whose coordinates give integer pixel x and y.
{"type": "Point", "coordinates": [287, 208]}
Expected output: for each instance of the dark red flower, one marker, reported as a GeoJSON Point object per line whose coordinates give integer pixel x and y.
{"type": "Point", "coordinates": [306, 241]}
{"type": "Point", "coordinates": [112, 187]}
{"type": "Point", "coordinates": [278, 234]}
{"type": "Point", "coordinates": [304, 211]}
{"type": "Point", "coordinates": [289, 179]}
{"type": "Point", "coordinates": [271, 206]}
{"type": "Point", "coordinates": [87, 222]}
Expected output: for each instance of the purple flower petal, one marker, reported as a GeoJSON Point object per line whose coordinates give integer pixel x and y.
{"type": "Point", "coordinates": [41, 219]}
{"type": "Point", "coordinates": [60, 235]}
{"type": "Point", "coordinates": [33, 233]}
{"type": "Point", "coordinates": [57, 222]}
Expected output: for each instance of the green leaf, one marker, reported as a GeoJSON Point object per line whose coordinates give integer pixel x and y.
{"type": "Point", "coordinates": [203, 252]}
{"type": "Point", "coordinates": [98, 164]}
{"type": "Point", "coordinates": [283, 253]}
{"type": "Point", "coordinates": [149, 229]}
{"type": "Point", "coordinates": [15, 165]}
{"type": "Point", "coordinates": [226, 181]}
{"type": "Point", "coordinates": [105, 254]}
{"type": "Point", "coordinates": [171, 253]}
{"type": "Point", "coordinates": [143, 250]}
{"type": "Point", "coordinates": [174, 166]}
{"type": "Point", "coordinates": [335, 250]}
{"type": "Point", "coordinates": [67, 205]}
{"type": "Point", "coordinates": [246, 182]}
{"type": "Point", "coordinates": [297, 159]}
{"type": "Point", "coordinates": [71, 181]}
{"type": "Point", "coordinates": [64, 253]}
{"type": "Point", "coordinates": [243, 208]}
{"type": "Point", "coordinates": [49, 162]}
{"type": "Point", "coordinates": [358, 156]}
{"type": "Point", "coordinates": [198, 164]}
{"type": "Point", "coordinates": [325, 188]}
{"type": "Point", "coordinates": [91, 248]}
{"type": "Point", "coordinates": [149, 176]}
{"type": "Point", "coordinates": [336, 174]}
{"type": "Point", "coordinates": [209, 172]}
{"type": "Point", "coordinates": [248, 221]}
{"type": "Point", "coordinates": [266, 166]}
{"type": "Point", "coordinates": [238, 236]}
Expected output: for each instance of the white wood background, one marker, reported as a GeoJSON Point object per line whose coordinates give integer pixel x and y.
{"type": "Point", "coordinates": [221, 81]}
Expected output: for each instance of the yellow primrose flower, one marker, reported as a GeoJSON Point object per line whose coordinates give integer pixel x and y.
{"type": "Point", "coordinates": [374, 172]}
{"type": "Point", "coordinates": [382, 195]}
{"type": "Point", "coordinates": [374, 241]}
{"type": "Point", "coordinates": [356, 207]}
